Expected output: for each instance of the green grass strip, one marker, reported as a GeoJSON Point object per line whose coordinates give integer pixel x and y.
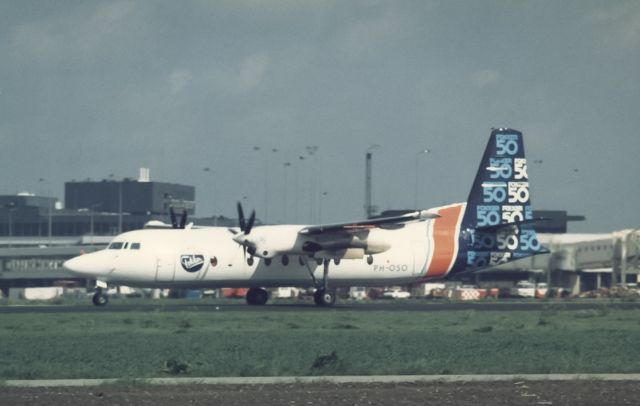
{"type": "Point", "coordinates": [325, 342]}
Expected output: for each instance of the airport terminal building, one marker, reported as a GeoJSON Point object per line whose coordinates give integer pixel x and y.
{"type": "Point", "coordinates": [37, 235]}
{"type": "Point", "coordinates": [105, 207]}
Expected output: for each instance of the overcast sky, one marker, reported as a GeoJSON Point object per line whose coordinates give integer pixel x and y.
{"type": "Point", "coordinates": [90, 89]}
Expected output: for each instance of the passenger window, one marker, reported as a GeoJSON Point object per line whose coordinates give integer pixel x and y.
{"type": "Point", "coordinates": [126, 244]}
{"type": "Point", "coordinates": [115, 246]}
{"type": "Point", "coordinates": [135, 245]}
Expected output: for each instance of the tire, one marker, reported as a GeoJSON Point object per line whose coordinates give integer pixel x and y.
{"type": "Point", "coordinates": [257, 297]}
{"type": "Point", "coordinates": [325, 297]}
{"type": "Point", "coordinates": [100, 300]}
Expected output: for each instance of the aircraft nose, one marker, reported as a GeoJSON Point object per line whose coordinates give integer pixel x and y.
{"type": "Point", "coordinates": [86, 264]}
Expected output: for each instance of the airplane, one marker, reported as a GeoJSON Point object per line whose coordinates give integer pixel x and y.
{"type": "Point", "coordinates": [494, 226]}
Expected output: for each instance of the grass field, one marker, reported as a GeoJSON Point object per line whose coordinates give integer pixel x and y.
{"type": "Point", "coordinates": [323, 342]}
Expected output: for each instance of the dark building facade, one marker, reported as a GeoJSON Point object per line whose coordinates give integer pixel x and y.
{"type": "Point", "coordinates": [129, 196]}
{"type": "Point", "coordinates": [25, 214]}
{"type": "Point", "coordinates": [94, 207]}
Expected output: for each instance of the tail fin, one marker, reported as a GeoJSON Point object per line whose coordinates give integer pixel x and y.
{"type": "Point", "coordinates": [497, 223]}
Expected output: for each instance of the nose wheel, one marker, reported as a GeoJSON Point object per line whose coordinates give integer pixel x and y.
{"type": "Point", "coordinates": [99, 298]}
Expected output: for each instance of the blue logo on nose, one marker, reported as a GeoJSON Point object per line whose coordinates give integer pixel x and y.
{"type": "Point", "coordinates": [192, 263]}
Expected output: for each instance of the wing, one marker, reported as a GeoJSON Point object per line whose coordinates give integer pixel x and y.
{"type": "Point", "coordinates": [342, 240]}
{"type": "Point", "coordinates": [419, 215]}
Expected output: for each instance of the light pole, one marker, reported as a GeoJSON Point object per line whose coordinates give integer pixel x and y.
{"type": "Point", "coordinates": [91, 223]}
{"type": "Point", "coordinates": [286, 165]}
{"type": "Point", "coordinates": [112, 177]}
{"type": "Point", "coordinates": [49, 214]}
{"type": "Point", "coordinates": [297, 194]}
{"type": "Point", "coordinates": [266, 184]}
{"type": "Point", "coordinates": [120, 207]}
{"type": "Point", "coordinates": [213, 188]}
{"type": "Point", "coordinates": [312, 152]}
{"type": "Point", "coordinates": [322, 196]}
{"type": "Point", "coordinates": [368, 206]}
{"type": "Point", "coordinates": [11, 206]}
{"type": "Point", "coordinates": [415, 190]}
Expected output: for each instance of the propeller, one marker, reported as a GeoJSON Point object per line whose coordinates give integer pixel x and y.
{"type": "Point", "coordinates": [245, 229]}
{"type": "Point", "coordinates": [174, 219]}
{"type": "Point", "coordinates": [245, 226]}
{"type": "Point", "coordinates": [183, 218]}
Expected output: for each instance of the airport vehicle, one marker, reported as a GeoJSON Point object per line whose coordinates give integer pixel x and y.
{"type": "Point", "coordinates": [494, 226]}
{"type": "Point", "coordinates": [396, 293]}
{"type": "Point", "coordinates": [528, 289]}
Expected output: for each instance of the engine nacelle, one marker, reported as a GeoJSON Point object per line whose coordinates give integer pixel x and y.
{"type": "Point", "coordinates": [349, 253]}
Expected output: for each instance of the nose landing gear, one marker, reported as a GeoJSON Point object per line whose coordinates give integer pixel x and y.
{"type": "Point", "coordinates": [100, 298]}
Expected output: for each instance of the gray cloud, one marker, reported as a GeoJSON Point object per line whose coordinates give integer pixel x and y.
{"type": "Point", "coordinates": [89, 89]}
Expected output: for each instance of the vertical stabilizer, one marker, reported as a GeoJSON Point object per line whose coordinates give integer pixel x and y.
{"type": "Point", "coordinates": [500, 191]}
{"type": "Point", "coordinates": [497, 225]}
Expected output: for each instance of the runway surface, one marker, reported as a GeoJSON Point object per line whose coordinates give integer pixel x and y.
{"type": "Point", "coordinates": [412, 306]}
{"type": "Point", "coordinates": [513, 393]}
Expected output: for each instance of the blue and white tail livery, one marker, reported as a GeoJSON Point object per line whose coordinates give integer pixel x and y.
{"type": "Point", "coordinates": [497, 223]}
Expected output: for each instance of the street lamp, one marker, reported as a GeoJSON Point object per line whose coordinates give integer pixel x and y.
{"type": "Point", "coordinates": [415, 190]}
{"type": "Point", "coordinates": [11, 206]}
{"type": "Point", "coordinates": [368, 207]}
{"type": "Point", "coordinates": [286, 165]}
{"type": "Point", "coordinates": [322, 196]}
{"type": "Point", "coordinates": [92, 209]}
{"type": "Point", "coordinates": [297, 190]}
{"type": "Point", "coordinates": [49, 215]}
{"type": "Point", "coordinates": [313, 173]}
{"type": "Point", "coordinates": [266, 184]}
{"type": "Point", "coordinates": [213, 199]}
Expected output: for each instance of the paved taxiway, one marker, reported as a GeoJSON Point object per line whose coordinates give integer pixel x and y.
{"type": "Point", "coordinates": [167, 306]}
{"type": "Point", "coordinates": [514, 393]}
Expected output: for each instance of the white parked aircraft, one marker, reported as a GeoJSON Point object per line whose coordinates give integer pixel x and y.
{"type": "Point", "coordinates": [492, 227]}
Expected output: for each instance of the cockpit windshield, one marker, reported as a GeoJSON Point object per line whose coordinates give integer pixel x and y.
{"type": "Point", "coordinates": [124, 246]}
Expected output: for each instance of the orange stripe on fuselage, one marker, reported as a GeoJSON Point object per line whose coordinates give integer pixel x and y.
{"type": "Point", "coordinates": [445, 241]}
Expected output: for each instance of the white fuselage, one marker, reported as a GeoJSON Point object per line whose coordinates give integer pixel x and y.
{"type": "Point", "coordinates": [209, 257]}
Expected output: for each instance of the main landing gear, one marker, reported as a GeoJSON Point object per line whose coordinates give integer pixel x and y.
{"type": "Point", "coordinates": [324, 297]}
{"type": "Point", "coordinates": [100, 298]}
{"type": "Point", "coordinates": [257, 296]}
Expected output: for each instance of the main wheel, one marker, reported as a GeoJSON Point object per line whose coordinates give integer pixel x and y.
{"type": "Point", "coordinates": [100, 299]}
{"type": "Point", "coordinates": [324, 297]}
{"type": "Point", "coordinates": [257, 296]}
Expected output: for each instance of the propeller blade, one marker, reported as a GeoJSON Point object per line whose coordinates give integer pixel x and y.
{"type": "Point", "coordinates": [174, 221]}
{"type": "Point", "coordinates": [241, 218]}
{"type": "Point", "coordinates": [183, 218]}
{"type": "Point", "coordinates": [252, 219]}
